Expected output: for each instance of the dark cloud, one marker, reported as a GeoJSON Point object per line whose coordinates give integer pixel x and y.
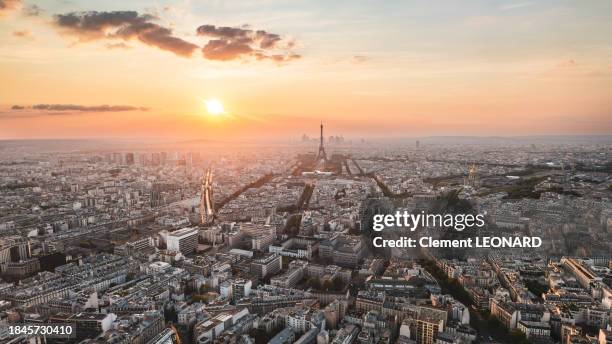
{"type": "Point", "coordinates": [7, 5]}
{"type": "Point", "coordinates": [267, 40]}
{"type": "Point", "coordinates": [224, 50]}
{"type": "Point", "coordinates": [78, 108]}
{"type": "Point", "coordinates": [224, 43]}
{"type": "Point", "coordinates": [224, 32]}
{"type": "Point", "coordinates": [230, 43]}
{"type": "Point", "coordinates": [123, 25]}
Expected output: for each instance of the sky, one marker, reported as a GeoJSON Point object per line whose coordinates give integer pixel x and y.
{"type": "Point", "coordinates": [146, 69]}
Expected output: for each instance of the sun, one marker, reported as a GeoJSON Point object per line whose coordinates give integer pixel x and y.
{"type": "Point", "coordinates": [214, 107]}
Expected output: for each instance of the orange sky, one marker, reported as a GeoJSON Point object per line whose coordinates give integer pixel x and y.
{"type": "Point", "coordinates": [402, 69]}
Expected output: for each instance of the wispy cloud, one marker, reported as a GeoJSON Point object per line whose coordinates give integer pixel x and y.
{"type": "Point", "coordinates": [26, 34]}
{"type": "Point", "coordinates": [32, 10]}
{"type": "Point", "coordinates": [571, 68]}
{"type": "Point", "coordinates": [481, 21]}
{"type": "Point", "coordinates": [118, 45]}
{"type": "Point", "coordinates": [515, 5]}
{"type": "Point", "coordinates": [42, 108]}
{"type": "Point", "coordinates": [9, 5]}
{"type": "Point", "coordinates": [571, 63]}
{"type": "Point", "coordinates": [359, 59]}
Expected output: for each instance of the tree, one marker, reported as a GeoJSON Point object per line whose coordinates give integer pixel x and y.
{"type": "Point", "coordinates": [518, 337]}
{"type": "Point", "coordinates": [170, 314]}
{"type": "Point", "coordinates": [188, 289]}
{"type": "Point", "coordinates": [201, 298]}
{"type": "Point", "coordinates": [536, 288]}
{"type": "Point", "coordinates": [337, 283]}
{"type": "Point", "coordinates": [286, 260]}
{"type": "Point", "coordinates": [314, 283]}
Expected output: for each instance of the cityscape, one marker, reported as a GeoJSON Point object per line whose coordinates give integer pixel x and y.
{"type": "Point", "coordinates": [271, 245]}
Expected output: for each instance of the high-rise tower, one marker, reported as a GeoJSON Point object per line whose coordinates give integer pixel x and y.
{"type": "Point", "coordinates": [472, 178]}
{"type": "Point", "coordinates": [321, 156]}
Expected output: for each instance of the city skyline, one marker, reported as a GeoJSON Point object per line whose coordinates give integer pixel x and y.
{"type": "Point", "coordinates": [167, 244]}
{"type": "Point", "coordinates": [398, 69]}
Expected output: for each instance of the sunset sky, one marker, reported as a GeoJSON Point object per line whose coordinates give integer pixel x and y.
{"type": "Point", "coordinates": [144, 69]}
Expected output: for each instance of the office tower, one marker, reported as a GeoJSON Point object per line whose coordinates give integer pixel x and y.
{"type": "Point", "coordinates": [129, 158]}
{"type": "Point", "coordinates": [270, 264]}
{"type": "Point", "coordinates": [426, 329]}
{"type": "Point", "coordinates": [183, 240]}
{"type": "Point", "coordinates": [321, 155]}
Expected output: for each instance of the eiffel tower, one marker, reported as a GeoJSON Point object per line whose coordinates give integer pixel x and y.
{"type": "Point", "coordinates": [321, 155]}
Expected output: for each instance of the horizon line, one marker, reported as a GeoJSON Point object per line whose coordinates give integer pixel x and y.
{"type": "Point", "coordinates": [297, 137]}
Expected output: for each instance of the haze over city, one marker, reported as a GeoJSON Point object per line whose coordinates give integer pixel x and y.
{"type": "Point", "coordinates": [116, 69]}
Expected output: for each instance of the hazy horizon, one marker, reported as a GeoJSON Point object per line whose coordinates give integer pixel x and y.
{"type": "Point", "coordinates": [346, 141]}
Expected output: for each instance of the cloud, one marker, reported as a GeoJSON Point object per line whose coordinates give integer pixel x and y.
{"type": "Point", "coordinates": [125, 26]}
{"type": "Point", "coordinates": [224, 43]}
{"type": "Point", "coordinates": [278, 57]}
{"type": "Point", "coordinates": [225, 50]}
{"type": "Point", "coordinates": [119, 45]}
{"type": "Point", "coordinates": [27, 34]}
{"type": "Point", "coordinates": [573, 69]}
{"type": "Point", "coordinates": [359, 59]}
{"type": "Point", "coordinates": [32, 11]}
{"type": "Point", "coordinates": [261, 38]}
{"type": "Point", "coordinates": [231, 43]}
{"type": "Point", "coordinates": [78, 108]}
{"type": "Point", "coordinates": [8, 5]}
{"type": "Point", "coordinates": [267, 40]}
{"type": "Point", "coordinates": [515, 5]}
{"type": "Point", "coordinates": [223, 32]}
{"type": "Point", "coordinates": [478, 22]}
{"type": "Point", "coordinates": [571, 63]}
